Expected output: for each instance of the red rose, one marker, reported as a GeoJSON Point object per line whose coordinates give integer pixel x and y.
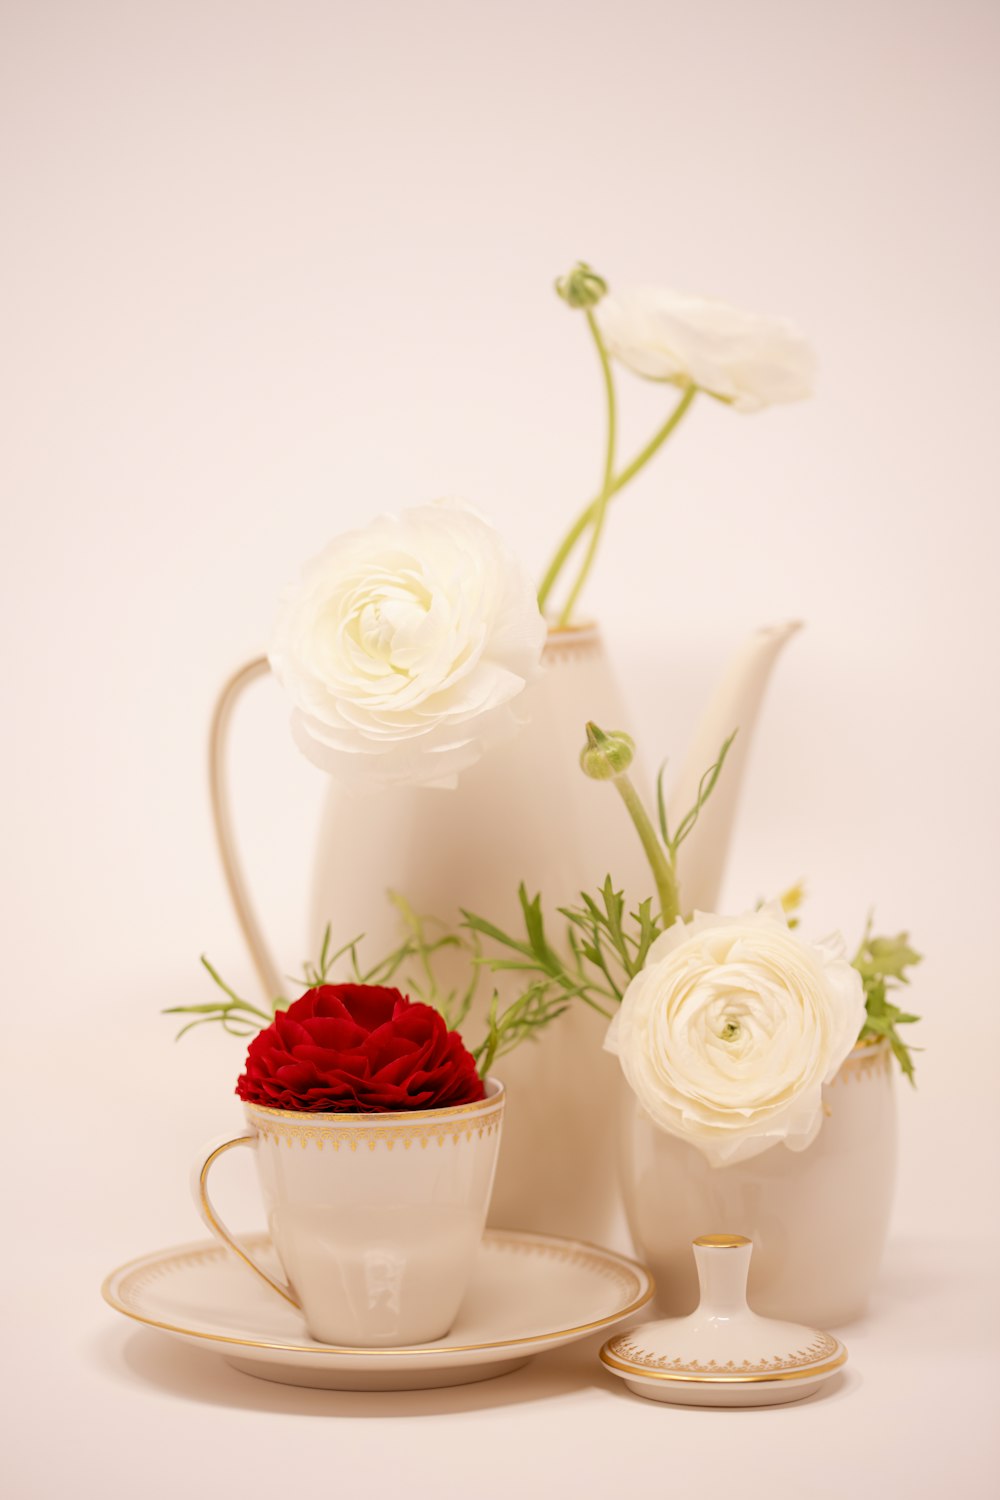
{"type": "Point", "coordinates": [358, 1047]}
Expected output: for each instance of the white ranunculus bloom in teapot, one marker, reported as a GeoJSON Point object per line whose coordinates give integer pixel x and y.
{"type": "Point", "coordinates": [741, 358]}
{"type": "Point", "coordinates": [405, 645]}
{"type": "Point", "coordinates": [730, 1031]}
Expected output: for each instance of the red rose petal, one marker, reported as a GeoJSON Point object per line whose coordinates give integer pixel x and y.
{"type": "Point", "coordinates": [354, 1048]}
{"type": "Point", "coordinates": [344, 1034]}
{"type": "Point", "coordinates": [369, 1005]}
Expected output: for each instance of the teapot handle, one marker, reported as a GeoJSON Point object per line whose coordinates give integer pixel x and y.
{"type": "Point", "coordinates": [222, 819]}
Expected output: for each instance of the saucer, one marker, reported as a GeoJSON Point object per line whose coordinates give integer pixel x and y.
{"type": "Point", "coordinates": [529, 1293]}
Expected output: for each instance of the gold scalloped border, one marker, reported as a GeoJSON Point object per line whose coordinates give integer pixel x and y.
{"type": "Point", "coordinates": [622, 1347]}
{"type": "Point", "coordinates": [350, 1137]}
{"type": "Point", "coordinates": [634, 1281]}
{"type": "Point", "coordinates": [565, 643]}
{"type": "Point", "coordinates": [475, 1107]}
{"type": "Point", "coordinates": [867, 1060]}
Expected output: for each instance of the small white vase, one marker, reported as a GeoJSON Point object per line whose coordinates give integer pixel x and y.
{"type": "Point", "coordinates": [818, 1218]}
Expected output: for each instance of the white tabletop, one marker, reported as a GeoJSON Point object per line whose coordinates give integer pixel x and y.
{"type": "Point", "coordinates": [118, 1410]}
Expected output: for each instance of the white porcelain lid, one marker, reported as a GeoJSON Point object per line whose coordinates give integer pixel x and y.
{"type": "Point", "coordinates": [723, 1342]}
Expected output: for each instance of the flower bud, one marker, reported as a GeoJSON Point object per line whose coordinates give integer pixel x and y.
{"type": "Point", "coordinates": [581, 287]}
{"type": "Point", "coordinates": [606, 756]}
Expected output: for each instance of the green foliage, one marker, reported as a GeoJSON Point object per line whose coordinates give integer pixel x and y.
{"type": "Point", "coordinates": [235, 1015]}
{"type": "Point", "coordinates": [706, 787]}
{"type": "Point", "coordinates": [425, 938]}
{"type": "Point", "coordinates": [601, 948]}
{"type": "Point", "coordinates": [241, 1018]}
{"type": "Point", "coordinates": [604, 946]}
{"type": "Point", "coordinates": [581, 287]}
{"type": "Point", "coordinates": [882, 963]}
{"type": "Point", "coordinates": [520, 1021]}
{"type": "Point", "coordinates": [412, 967]}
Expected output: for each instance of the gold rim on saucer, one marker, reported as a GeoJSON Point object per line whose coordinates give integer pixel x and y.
{"type": "Point", "coordinates": [636, 1280]}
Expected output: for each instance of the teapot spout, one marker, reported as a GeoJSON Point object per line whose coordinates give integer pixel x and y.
{"type": "Point", "coordinates": [735, 705]}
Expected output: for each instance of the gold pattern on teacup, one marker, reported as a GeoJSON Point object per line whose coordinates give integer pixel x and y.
{"type": "Point", "coordinates": [422, 1133]}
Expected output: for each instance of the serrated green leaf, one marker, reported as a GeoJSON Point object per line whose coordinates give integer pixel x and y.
{"type": "Point", "coordinates": [903, 1056]}
{"type": "Point", "coordinates": [882, 962]}
{"type": "Point", "coordinates": [892, 956]}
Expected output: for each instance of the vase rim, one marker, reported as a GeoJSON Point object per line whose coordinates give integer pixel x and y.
{"type": "Point", "coordinates": [567, 642]}
{"type": "Point", "coordinates": [571, 632]}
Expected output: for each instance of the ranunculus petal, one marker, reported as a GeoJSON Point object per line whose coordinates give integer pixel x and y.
{"type": "Point", "coordinates": [730, 1031]}
{"type": "Point", "coordinates": [400, 633]}
{"type": "Point", "coordinates": [741, 358]}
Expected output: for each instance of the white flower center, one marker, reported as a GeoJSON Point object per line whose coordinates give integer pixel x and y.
{"type": "Point", "coordinates": [730, 1031]}
{"type": "Point", "coordinates": [380, 621]}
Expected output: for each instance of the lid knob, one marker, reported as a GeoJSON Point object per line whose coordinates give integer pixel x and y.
{"type": "Point", "coordinates": [723, 1262]}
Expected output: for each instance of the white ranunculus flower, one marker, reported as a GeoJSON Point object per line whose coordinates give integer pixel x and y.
{"type": "Point", "coordinates": [404, 646]}
{"type": "Point", "coordinates": [730, 1031]}
{"type": "Point", "coordinates": [741, 358]}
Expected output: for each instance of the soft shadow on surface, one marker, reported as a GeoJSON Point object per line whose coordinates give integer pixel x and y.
{"type": "Point", "coordinates": [189, 1374]}
{"type": "Point", "coordinates": [917, 1289]}
{"type": "Point", "coordinates": [845, 1383]}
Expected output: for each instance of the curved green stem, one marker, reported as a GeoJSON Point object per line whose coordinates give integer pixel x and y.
{"type": "Point", "coordinates": [600, 501]}
{"type": "Point", "coordinates": [609, 472]}
{"type": "Point", "coordinates": [663, 871]}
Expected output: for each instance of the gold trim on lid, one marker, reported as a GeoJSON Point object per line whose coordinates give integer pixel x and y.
{"type": "Point", "coordinates": [796, 1367]}
{"type": "Point", "coordinates": [722, 1241]}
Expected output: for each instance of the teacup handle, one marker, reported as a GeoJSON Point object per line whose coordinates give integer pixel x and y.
{"type": "Point", "coordinates": [222, 819]}
{"type": "Point", "coordinates": [199, 1188]}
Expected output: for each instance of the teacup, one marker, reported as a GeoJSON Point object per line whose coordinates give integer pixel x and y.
{"type": "Point", "coordinates": [376, 1218]}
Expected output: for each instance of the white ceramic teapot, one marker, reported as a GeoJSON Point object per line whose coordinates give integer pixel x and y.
{"type": "Point", "coordinates": [521, 814]}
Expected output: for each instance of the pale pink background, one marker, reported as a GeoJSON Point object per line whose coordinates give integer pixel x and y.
{"type": "Point", "coordinates": [271, 268]}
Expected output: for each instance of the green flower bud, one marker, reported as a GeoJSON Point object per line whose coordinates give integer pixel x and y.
{"type": "Point", "coordinates": [606, 756]}
{"type": "Point", "coordinates": [581, 287]}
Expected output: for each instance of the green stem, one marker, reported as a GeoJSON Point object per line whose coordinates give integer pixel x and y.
{"type": "Point", "coordinates": [663, 871]}
{"type": "Point", "coordinates": [609, 473]}
{"type": "Point", "coordinates": [587, 516]}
